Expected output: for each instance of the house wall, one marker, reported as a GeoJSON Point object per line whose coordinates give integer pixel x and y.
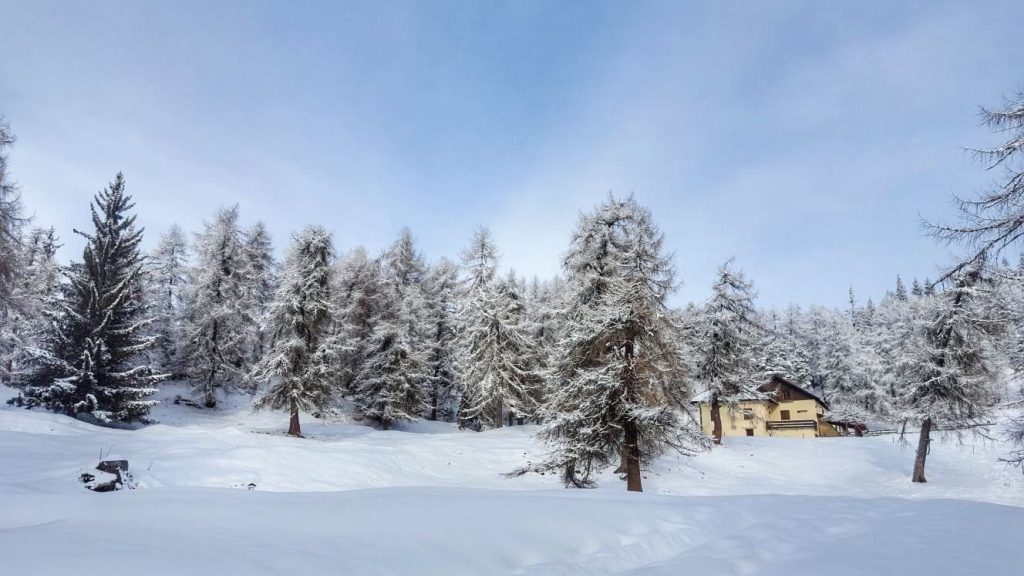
{"type": "Point", "coordinates": [734, 424]}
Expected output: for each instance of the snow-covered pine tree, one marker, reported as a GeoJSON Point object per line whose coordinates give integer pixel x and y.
{"type": "Point", "coordinates": [93, 362]}
{"type": "Point", "coordinates": [951, 372]}
{"type": "Point", "coordinates": [618, 391]}
{"type": "Point", "coordinates": [167, 274]}
{"type": "Point", "coordinates": [916, 288]}
{"type": "Point", "coordinates": [500, 360]}
{"type": "Point", "coordinates": [441, 287]}
{"type": "Point", "coordinates": [390, 385]}
{"type": "Point", "coordinates": [218, 323]}
{"type": "Point", "coordinates": [479, 266]}
{"type": "Point", "coordinates": [901, 290]}
{"type": "Point", "coordinates": [729, 333]}
{"type": "Point", "coordinates": [299, 367]}
{"type": "Point", "coordinates": [259, 281]}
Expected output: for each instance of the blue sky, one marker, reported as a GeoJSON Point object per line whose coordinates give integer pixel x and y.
{"type": "Point", "coordinates": [803, 138]}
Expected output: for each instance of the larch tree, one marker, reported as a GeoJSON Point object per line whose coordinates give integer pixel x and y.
{"type": "Point", "coordinates": [500, 360]}
{"type": "Point", "coordinates": [729, 332]}
{"type": "Point", "coordinates": [993, 221]}
{"type": "Point", "coordinates": [12, 220]}
{"type": "Point", "coordinates": [259, 281]}
{"type": "Point", "coordinates": [299, 368]}
{"type": "Point", "coordinates": [951, 372]}
{"type": "Point", "coordinates": [479, 266]}
{"type": "Point", "coordinates": [94, 361]}
{"type": "Point", "coordinates": [166, 283]}
{"type": "Point", "coordinates": [358, 298]}
{"type": "Point", "coordinates": [618, 391]}
{"type": "Point", "coordinates": [218, 318]}
{"type": "Point", "coordinates": [441, 287]}
{"type": "Point", "coordinates": [390, 386]}
{"type": "Point", "coordinates": [38, 295]}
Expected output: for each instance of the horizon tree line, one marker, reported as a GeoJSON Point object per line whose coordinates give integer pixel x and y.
{"type": "Point", "coordinates": [596, 356]}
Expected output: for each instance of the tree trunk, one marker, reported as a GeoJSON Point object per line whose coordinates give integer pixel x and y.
{"type": "Point", "coordinates": [497, 415]}
{"type": "Point", "coordinates": [632, 451]}
{"type": "Point", "coordinates": [210, 400]}
{"type": "Point", "coordinates": [293, 423]}
{"type": "Point", "coordinates": [511, 420]}
{"type": "Point", "coordinates": [922, 451]}
{"type": "Point", "coordinates": [463, 421]}
{"type": "Point", "coordinates": [433, 406]}
{"type": "Point", "coordinates": [716, 420]}
{"type": "Point", "coordinates": [622, 463]}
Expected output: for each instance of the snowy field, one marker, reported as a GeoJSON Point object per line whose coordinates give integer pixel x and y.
{"type": "Point", "coordinates": [429, 499]}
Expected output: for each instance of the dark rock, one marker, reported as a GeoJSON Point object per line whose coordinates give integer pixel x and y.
{"type": "Point", "coordinates": [113, 466]}
{"type": "Point", "coordinates": [115, 470]}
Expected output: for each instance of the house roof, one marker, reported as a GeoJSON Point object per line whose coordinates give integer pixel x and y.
{"type": "Point", "coordinates": [705, 396]}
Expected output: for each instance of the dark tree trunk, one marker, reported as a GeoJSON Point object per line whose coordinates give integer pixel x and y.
{"type": "Point", "coordinates": [497, 415]}
{"type": "Point", "coordinates": [622, 463]}
{"type": "Point", "coordinates": [293, 423]}
{"type": "Point", "coordinates": [922, 450]}
{"type": "Point", "coordinates": [716, 420]}
{"type": "Point", "coordinates": [433, 407]}
{"type": "Point", "coordinates": [463, 421]}
{"type": "Point", "coordinates": [511, 419]}
{"type": "Point", "coordinates": [632, 450]}
{"type": "Point", "coordinates": [210, 400]}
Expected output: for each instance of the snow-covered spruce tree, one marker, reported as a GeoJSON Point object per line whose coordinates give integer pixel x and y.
{"type": "Point", "coordinates": [93, 363]}
{"type": "Point", "coordinates": [441, 287]}
{"type": "Point", "coordinates": [951, 371]}
{"type": "Point", "coordinates": [299, 368]}
{"type": "Point", "coordinates": [500, 361]}
{"type": "Point", "coordinates": [218, 318]}
{"type": "Point", "coordinates": [259, 281]}
{"type": "Point", "coordinates": [617, 389]}
{"type": "Point", "coordinates": [390, 386]}
{"type": "Point", "coordinates": [479, 266]}
{"type": "Point", "coordinates": [901, 290]}
{"type": "Point", "coordinates": [167, 274]}
{"type": "Point", "coordinates": [358, 298]}
{"type": "Point", "coordinates": [729, 332]}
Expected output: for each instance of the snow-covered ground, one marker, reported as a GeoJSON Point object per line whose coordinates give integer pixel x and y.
{"type": "Point", "coordinates": [429, 499]}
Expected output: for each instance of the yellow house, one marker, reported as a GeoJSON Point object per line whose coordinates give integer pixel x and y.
{"type": "Point", "coordinates": [788, 412]}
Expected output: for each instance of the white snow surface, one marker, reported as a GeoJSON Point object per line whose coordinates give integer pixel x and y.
{"type": "Point", "coordinates": [429, 499]}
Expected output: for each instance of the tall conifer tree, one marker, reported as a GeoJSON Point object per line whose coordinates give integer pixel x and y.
{"type": "Point", "coordinates": [96, 351]}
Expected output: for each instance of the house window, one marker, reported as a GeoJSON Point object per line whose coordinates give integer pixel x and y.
{"type": "Point", "coordinates": [750, 431]}
{"type": "Point", "coordinates": [748, 414]}
{"type": "Point", "coordinates": [784, 414]}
